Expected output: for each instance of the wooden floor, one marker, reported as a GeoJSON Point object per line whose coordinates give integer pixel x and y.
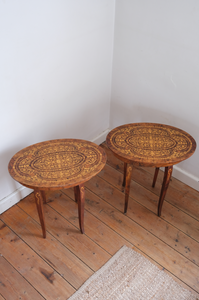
{"type": "Point", "coordinates": [53, 268]}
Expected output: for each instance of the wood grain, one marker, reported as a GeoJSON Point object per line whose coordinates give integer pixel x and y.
{"type": "Point", "coordinates": [29, 264]}
{"type": "Point", "coordinates": [66, 233]}
{"type": "Point", "coordinates": [54, 253]}
{"type": "Point", "coordinates": [146, 219]}
{"type": "Point", "coordinates": [170, 241]}
{"type": "Point", "coordinates": [13, 285]}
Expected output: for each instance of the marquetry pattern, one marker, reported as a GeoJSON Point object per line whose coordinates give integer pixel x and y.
{"type": "Point", "coordinates": [149, 141]}
{"type": "Point", "coordinates": [57, 163]}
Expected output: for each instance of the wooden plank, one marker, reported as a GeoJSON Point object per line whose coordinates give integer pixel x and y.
{"type": "Point", "coordinates": [66, 233]}
{"type": "Point", "coordinates": [107, 227]}
{"type": "Point", "coordinates": [143, 240]}
{"type": "Point", "coordinates": [36, 271]}
{"type": "Point", "coordinates": [55, 254]}
{"type": "Point", "coordinates": [143, 196]}
{"type": "Point", "coordinates": [178, 194]}
{"type": "Point", "coordinates": [142, 216]}
{"type": "Point", "coordinates": [95, 229]}
{"type": "Point", "coordinates": [99, 232]}
{"type": "Point", "coordinates": [13, 285]}
{"type": "Point", "coordinates": [107, 238]}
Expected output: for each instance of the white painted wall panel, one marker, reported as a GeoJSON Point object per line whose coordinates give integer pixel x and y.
{"type": "Point", "coordinates": [55, 74]}
{"type": "Point", "coordinates": [156, 67]}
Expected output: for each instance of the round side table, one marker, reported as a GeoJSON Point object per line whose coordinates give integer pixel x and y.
{"type": "Point", "coordinates": [57, 164]}
{"type": "Point", "coordinates": [150, 145]}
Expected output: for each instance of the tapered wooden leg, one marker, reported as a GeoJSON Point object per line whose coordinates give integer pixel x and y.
{"type": "Point", "coordinates": [80, 196]}
{"type": "Point", "coordinates": [124, 178]}
{"type": "Point", "coordinates": [76, 192]}
{"type": "Point", "coordinates": [127, 186]}
{"type": "Point", "coordinates": [39, 204]}
{"type": "Point", "coordinates": [43, 196]}
{"type": "Point", "coordinates": [155, 176]}
{"type": "Point", "coordinates": [165, 184]}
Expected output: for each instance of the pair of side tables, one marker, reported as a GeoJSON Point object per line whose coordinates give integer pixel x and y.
{"type": "Point", "coordinates": [67, 163]}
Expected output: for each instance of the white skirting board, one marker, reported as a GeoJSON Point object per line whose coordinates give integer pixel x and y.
{"type": "Point", "coordinates": [186, 177]}
{"type": "Point", "coordinates": [101, 138]}
{"type": "Point", "coordinates": [13, 198]}
{"type": "Point", "coordinates": [22, 192]}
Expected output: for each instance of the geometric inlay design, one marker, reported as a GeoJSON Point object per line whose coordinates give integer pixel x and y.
{"type": "Point", "coordinates": [150, 141]}
{"type": "Point", "coordinates": [57, 163]}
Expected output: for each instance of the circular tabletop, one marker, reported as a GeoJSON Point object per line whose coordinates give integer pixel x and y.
{"type": "Point", "coordinates": [57, 164]}
{"type": "Point", "coordinates": [150, 144]}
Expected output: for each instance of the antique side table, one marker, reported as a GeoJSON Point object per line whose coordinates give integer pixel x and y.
{"type": "Point", "coordinates": [57, 164]}
{"type": "Point", "coordinates": [150, 145]}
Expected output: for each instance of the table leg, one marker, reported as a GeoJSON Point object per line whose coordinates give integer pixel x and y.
{"type": "Point", "coordinates": [43, 196]}
{"type": "Point", "coordinates": [165, 184]}
{"type": "Point", "coordinates": [127, 186]}
{"type": "Point", "coordinates": [124, 178]}
{"type": "Point", "coordinates": [80, 198]}
{"type": "Point", "coordinates": [76, 192]}
{"type": "Point", "coordinates": [155, 176]}
{"type": "Point", "coordinates": [39, 204]}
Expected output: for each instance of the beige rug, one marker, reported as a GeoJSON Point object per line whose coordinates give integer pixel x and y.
{"type": "Point", "coordinates": [129, 275]}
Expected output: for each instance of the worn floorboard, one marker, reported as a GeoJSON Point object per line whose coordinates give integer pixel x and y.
{"type": "Point", "coordinates": [53, 268]}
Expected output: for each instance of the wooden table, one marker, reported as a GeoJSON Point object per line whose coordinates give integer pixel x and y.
{"type": "Point", "coordinates": [57, 164]}
{"type": "Point", "coordinates": [150, 145]}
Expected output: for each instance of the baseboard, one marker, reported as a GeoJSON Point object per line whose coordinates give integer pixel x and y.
{"type": "Point", "coordinates": [186, 177]}
{"type": "Point", "coordinates": [14, 198]}
{"type": "Point", "coordinates": [101, 138]}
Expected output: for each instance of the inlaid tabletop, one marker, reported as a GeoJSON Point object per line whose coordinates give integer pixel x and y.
{"type": "Point", "coordinates": [57, 164]}
{"type": "Point", "coordinates": [151, 144]}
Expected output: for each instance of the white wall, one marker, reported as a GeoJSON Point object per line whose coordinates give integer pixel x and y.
{"type": "Point", "coordinates": [55, 73]}
{"type": "Point", "coordinates": [156, 69]}
{"type": "Point", "coordinates": [55, 76]}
